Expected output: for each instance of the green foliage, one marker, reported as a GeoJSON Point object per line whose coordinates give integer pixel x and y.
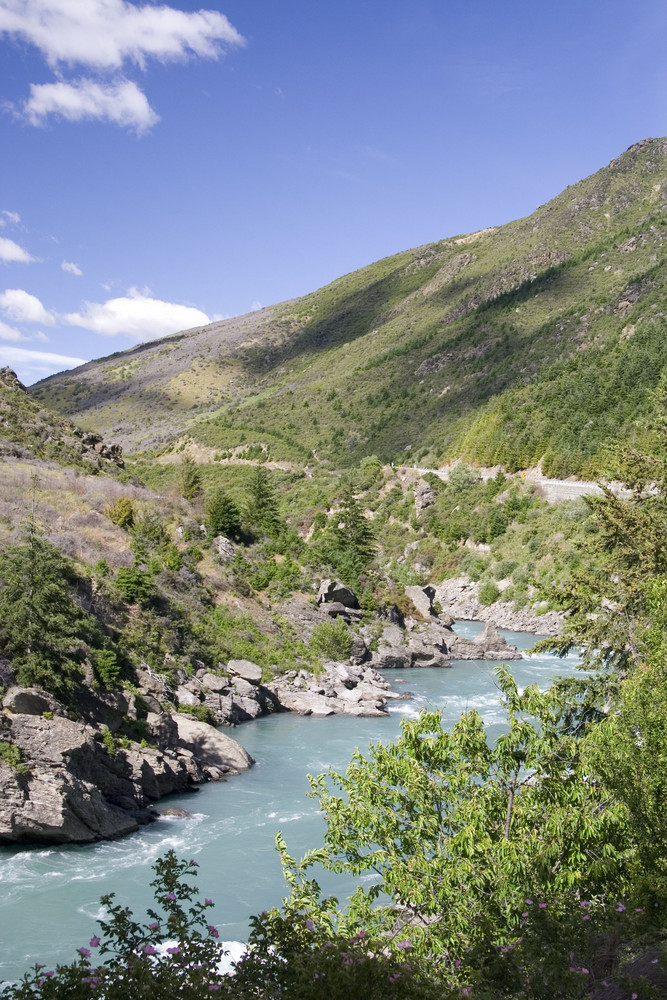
{"type": "Point", "coordinates": [107, 667]}
{"type": "Point", "coordinates": [42, 628]}
{"type": "Point", "coordinates": [10, 754]}
{"type": "Point", "coordinates": [174, 954]}
{"type": "Point", "coordinates": [121, 512]}
{"type": "Point", "coordinates": [222, 515]}
{"type": "Point", "coordinates": [262, 503]}
{"type": "Point", "coordinates": [488, 592]}
{"type": "Point", "coordinates": [201, 712]}
{"type": "Point", "coordinates": [134, 584]}
{"type": "Point", "coordinates": [332, 640]}
{"type": "Point", "coordinates": [190, 479]}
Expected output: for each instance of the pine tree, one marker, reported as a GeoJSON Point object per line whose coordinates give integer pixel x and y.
{"type": "Point", "coordinates": [354, 531]}
{"type": "Point", "coordinates": [40, 622]}
{"type": "Point", "coordinates": [190, 479]}
{"type": "Point", "coordinates": [262, 505]}
{"type": "Point", "coordinates": [222, 515]}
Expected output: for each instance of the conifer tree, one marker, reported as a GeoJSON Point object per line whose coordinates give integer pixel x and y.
{"type": "Point", "coordinates": [41, 624]}
{"type": "Point", "coordinates": [353, 530]}
{"type": "Point", "coordinates": [222, 515]}
{"type": "Point", "coordinates": [190, 479]}
{"type": "Point", "coordinates": [262, 506]}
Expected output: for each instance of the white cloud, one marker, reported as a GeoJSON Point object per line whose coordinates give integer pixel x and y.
{"type": "Point", "coordinates": [6, 217]}
{"type": "Point", "coordinates": [138, 316]}
{"type": "Point", "coordinates": [36, 363]}
{"type": "Point", "coordinates": [9, 333]}
{"type": "Point", "coordinates": [254, 306]}
{"type": "Point", "coordinates": [41, 336]}
{"type": "Point", "coordinates": [71, 268]}
{"type": "Point", "coordinates": [11, 252]}
{"type": "Point", "coordinates": [120, 102]}
{"type": "Point", "coordinates": [24, 307]}
{"type": "Point", "coordinates": [106, 33]}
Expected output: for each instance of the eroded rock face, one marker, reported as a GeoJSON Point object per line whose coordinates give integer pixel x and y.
{"type": "Point", "coordinates": [72, 789]}
{"type": "Point", "coordinates": [30, 701]}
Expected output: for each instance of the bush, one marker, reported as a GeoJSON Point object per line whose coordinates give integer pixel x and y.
{"type": "Point", "coordinates": [222, 515]}
{"type": "Point", "coordinates": [488, 592]}
{"type": "Point", "coordinates": [332, 640]}
{"type": "Point", "coordinates": [121, 512]}
{"type": "Point", "coordinates": [201, 712]}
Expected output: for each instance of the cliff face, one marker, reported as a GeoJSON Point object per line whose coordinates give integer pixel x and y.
{"type": "Point", "coordinates": [70, 783]}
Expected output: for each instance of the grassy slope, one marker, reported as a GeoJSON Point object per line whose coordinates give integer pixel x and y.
{"type": "Point", "coordinates": [538, 338]}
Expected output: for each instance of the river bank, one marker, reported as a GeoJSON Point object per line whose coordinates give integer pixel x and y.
{"type": "Point", "coordinates": [230, 829]}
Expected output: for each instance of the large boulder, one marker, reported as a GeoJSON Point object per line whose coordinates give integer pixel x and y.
{"type": "Point", "coordinates": [246, 669]}
{"type": "Point", "coordinates": [335, 591]}
{"type": "Point", "coordinates": [223, 548]}
{"type": "Point", "coordinates": [30, 701]}
{"type": "Point", "coordinates": [422, 598]}
{"type": "Point", "coordinates": [212, 748]}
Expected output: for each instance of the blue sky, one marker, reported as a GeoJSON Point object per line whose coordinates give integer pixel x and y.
{"type": "Point", "coordinates": [163, 165]}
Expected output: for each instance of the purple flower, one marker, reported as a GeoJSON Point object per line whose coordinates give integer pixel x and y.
{"type": "Point", "coordinates": [170, 897]}
{"type": "Point", "coordinates": [586, 916]}
{"type": "Point", "coordinates": [620, 908]}
{"type": "Point", "coordinates": [213, 986]}
{"type": "Point", "coordinates": [84, 952]}
{"type": "Point", "coordinates": [94, 942]}
{"type": "Point", "coordinates": [529, 902]}
{"type": "Point", "coordinates": [213, 931]}
{"type": "Point", "coordinates": [194, 863]}
{"type": "Point", "coordinates": [154, 926]}
{"type": "Point", "coordinates": [310, 925]}
{"type": "Point", "coordinates": [525, 913]}
{"type": "Point", "coordinates": [585, 902]}
{"type": "Point", "coordinates": [543, 906]}
{"type": "Point", "coordinates": [359, 935]}
{"type": "Point", "coordinates": [148, 949]}
{"type": "Point", "coordinates": [404, 944]}
{"type": "Point", "coordinates": [174, 950]}
{"type": "Point", "coordinates": [209, 902]}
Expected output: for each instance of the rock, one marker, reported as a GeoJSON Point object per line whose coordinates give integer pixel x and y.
{"type": "Point", "coordinates": [495, 645]}
{"type": "Point", "coordinates": [185, 696]}
{"type": "Point", "coordinates": [459, 599]}
{"type": "Point", "coordinates": [424, 496]}
{"type": "Point", "coordinates": [215, 682]}
{"type": "Point", "coordinates": [422, 598]}
{"type": "Point", "coordinates": [30, 701]}
{"type": "Point", "coordinates": [223, 548]}
{"type": "Point", "coordinates": [247, 669]}
{"type": "Point", "coordinates": [335, 591]}
{"type": "Point", "coordinates": [392, 658]}
{"type": "Point", "coordinates": [359, 652]}
{"type": "Point", "coordinates": [212, 748]}
{"type": "Point", "coordinates": [244, 687]}
{"type": "Point", "coordinates": [345, 689]}
{"type": "Point", "coordinates": [176, 811]}
{"type": "Point", "coordinates": [392, 636]}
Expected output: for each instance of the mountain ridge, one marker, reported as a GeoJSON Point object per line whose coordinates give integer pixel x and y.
{"type": "Point", "coordinates": [458, 347]}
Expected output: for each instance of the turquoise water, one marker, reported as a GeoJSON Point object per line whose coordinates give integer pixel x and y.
{"type": "Point", "coordinates": [49, 897]}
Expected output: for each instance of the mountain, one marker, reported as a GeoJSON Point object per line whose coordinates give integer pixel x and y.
{"type": "Point", "coordinates": [539, 339]}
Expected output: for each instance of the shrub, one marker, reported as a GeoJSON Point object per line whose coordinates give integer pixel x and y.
{"type": "Point", "coordinates": [488, 592]}
{"type": "Point", "coordinates": [222, 515]}
{"type": "Point", "coordinates": [332, 640]}
{"type": "Point", "coordinates": [121, 513]}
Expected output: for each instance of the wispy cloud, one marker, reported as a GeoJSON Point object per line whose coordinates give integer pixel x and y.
{"type": "Point", "coordinates": [71, 268]}
{"type": "Point", "coordinates": [120, 102]}
{"type": "Point", "coordinates": [36, 363]}
{"type": "Point", "coordinates": [10, 333]}
{"type": "Point", "coordinates": [6, 217]}
{"type": "Point", "coordinates": [23, 307]}
{"type": "Point", "coordinates": [104, 36]}
{"type": "Point", "coordinates": [12, 253]}
{"type": "Point", "coordinates": [137, 315]}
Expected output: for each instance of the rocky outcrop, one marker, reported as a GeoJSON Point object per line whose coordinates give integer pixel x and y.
{"type": "Point", "coordinates": [69, 783]}
{"type": "Point", "coordinates": [233, 697]}
{"type": "Point", "coordinates": [333, 591]}
{"type": "Point", "coordinates": [434, 644]}
{"type": "Point", "coordinates": [458, 598]}
{"type": "Point", "coordinates": [344, 689]}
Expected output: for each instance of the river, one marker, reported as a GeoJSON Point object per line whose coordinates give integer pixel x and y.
{"type": "Point", "coordinates": [49, 897]}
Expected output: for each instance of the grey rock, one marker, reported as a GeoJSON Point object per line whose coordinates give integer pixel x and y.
{"type": "Point", "coordinates": [422, 598]}
{"type": "Point", "coordinates": [359, 652]}
{"type": "Point", "coordinates": [224, 549]}
{"type": "Point", "coordinates": [212, 748]}
{"type": "Point", "coordinates": [30, 701]}
{"type": "Point", "coordinates": [187, 697]}
{"type": "Point", "coordinates": [244, 687]}
{"type": "Point", "coordinates": [424, 495]}
{"type": "Point", "coordinates": [336, 591]}
{"type": "Point", "coordinates": [176, 811]}
{"type": "Point", "coordinates": [392, 658]}
{"type": "Point", "coordinates": [215, 682]}
{"type": "Point", "coordinates": [247, 669]}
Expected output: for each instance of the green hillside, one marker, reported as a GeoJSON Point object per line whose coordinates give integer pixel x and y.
{"type": "Point", "coordinates": [535, 340]}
